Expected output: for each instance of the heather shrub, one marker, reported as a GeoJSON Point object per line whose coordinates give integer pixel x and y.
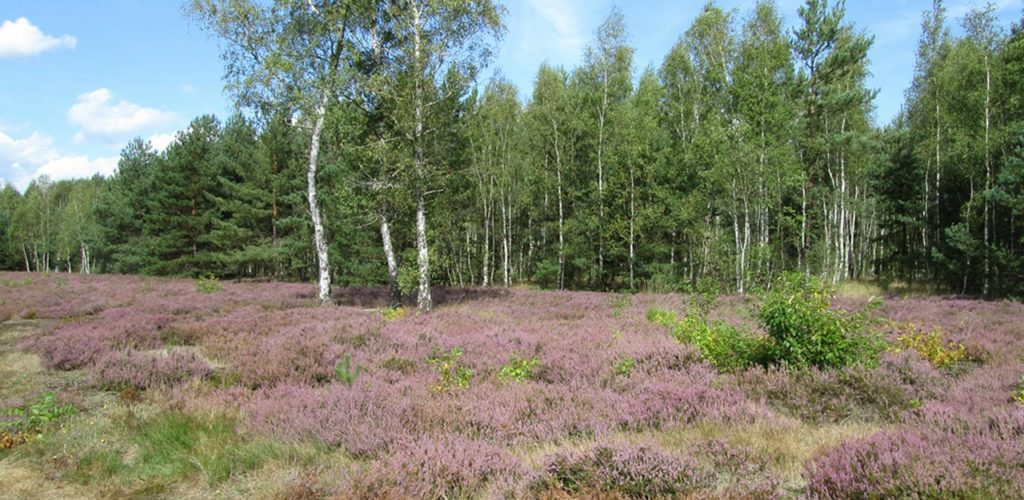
{"type": "Point", "coordinates": [806, 332]}
{"type": "Point", "coordinates": [284, 356]}
{"type": "Point", "coordinates": [143, 370]}
{"type": "Point", "coordinates": [366, 419]}
{"type": "Point", "coordinates": [518, 369]}
{"type": "Point", "coordinates": [740, 472]}
{"type": "Point", "coordinates": [345, 372]}
{"type": "Point", "coordinates": [400, 365]}
{"type": "Point", "coordinates": [909, 463]}
{"type": "Point", "coordinates": [899, 384]}
{"type": "Point", "coordinates": [450, 466]}
{"type": "Point", "coordinates": [451, 374]}
{"type": "Point", "coordinates": [638, 471]}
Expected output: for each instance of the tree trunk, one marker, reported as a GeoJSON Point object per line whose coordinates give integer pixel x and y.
{"type": "Point", "coordinates": [988, 174]}
{"type": "Point", "coordinates": [394, 292]}
{"type": "Point", "coordinates": [424, 301]}
{"type": "Point", "coordinates": [632, 224]}
{"type": "Point", "coordinates": [561, 221]}
{"type": "Point", "coordinates": [324, 289]}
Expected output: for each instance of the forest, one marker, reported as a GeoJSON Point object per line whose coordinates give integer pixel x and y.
{"type": "Point", "coordinates": [750, 151]}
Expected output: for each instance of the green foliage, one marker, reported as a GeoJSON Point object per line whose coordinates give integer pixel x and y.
{"type": "Point", "coordinates": [624, 367]}
{"type": "Point", "coordinates": [394, 313]}
{"type": "Point", "coordinates": [931, 345]}
{"type": "Point", "coordinates": [796, 314]}
{"type": "Point", "coordinates": [723, 345]}
{"type": "Point", "coordinates": [408, 275]}
{"type": "Point", "coordinates": [451, 374]}
{"type": "Point", "coordinates": [518, 369]}
{"type": "Point", "coordinates": [1018, 392]}
{"type": "Point", "coordinates": [661, 317]}
{"type": "Point", "coordinates": [34, 417]}
{"type": "Point", "coordinates": [208, 283]}
{"type": "Point", "coordinates": [345, 372]}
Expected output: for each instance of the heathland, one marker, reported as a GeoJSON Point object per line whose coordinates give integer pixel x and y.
{"type": "Point", "coordinates": [118, 386]}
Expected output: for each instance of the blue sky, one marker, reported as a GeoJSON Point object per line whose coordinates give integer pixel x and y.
{"type": "Point", "coordinates": [79, 78]}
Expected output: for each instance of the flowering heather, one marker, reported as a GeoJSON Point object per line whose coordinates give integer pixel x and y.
{"type": "Point", "coordinates": [634, 471]}
{"type": "Point", "coordinates": [449, 466]}
{"type": "Point", "coordinates": [265, 352]}
{"type": "Point", "coordinates": [142, 370]}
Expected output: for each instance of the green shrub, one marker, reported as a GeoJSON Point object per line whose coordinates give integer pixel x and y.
{"type": "Point", "coordinates": [661, 317]}
{"type": "Point", "coordinates": [795, 313]}
{"type": "Point", "coordinates": [1018, 393]}
{"type": "Point", "coordinates": [518, 369]}
{"type": "Point", "coordinates": [345, 372]}
{"type": "Point", "coordinates": [933, 346]}
{"type": "Point", "coordinates": [208, 283]}
{"type": "Point", "coordinates": [393, 313]}
{"type": "Point", "coordinates": [723, 345]}
{"type": "Point", "coordinates": [624, 367]}
{"type": "Point", "coordinates": [450, 373]}
{"type": "Point", "coordinates": [34, 417]}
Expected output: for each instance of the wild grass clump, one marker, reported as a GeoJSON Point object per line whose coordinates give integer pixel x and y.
{"type": "Point", "coordinates": [171, 447]}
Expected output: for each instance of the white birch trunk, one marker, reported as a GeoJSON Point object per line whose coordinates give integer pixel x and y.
{"type": "Point", "coordinates": [324, 279]}
{"type": "Point", "coordinates": [424, 300]}
{"type": "Point", "coordinates": [394, 293]}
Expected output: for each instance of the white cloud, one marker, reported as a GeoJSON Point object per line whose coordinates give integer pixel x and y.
{"type": "Point", "coordinates": [161, 141]}
{"type": "Point", "coordinates": [100, 118]}
{"type": "Point", "coordinates": [21, 38]}
{"type": "Point", "coordinates": [70, 167]}
{"type": "Point", "coordinates": [564, 18]}
{"type": "Point", "coordinates": [22, 160]}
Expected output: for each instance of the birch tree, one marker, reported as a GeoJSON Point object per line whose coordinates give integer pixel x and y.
{"type": "Point", "coordinates": [290, 51]}
{"type": "Point", "coordinates": [437, 38]}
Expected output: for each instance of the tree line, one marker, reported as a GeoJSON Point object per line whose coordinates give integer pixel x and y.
{"type": "Point", "coordinates": [751, 151]}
